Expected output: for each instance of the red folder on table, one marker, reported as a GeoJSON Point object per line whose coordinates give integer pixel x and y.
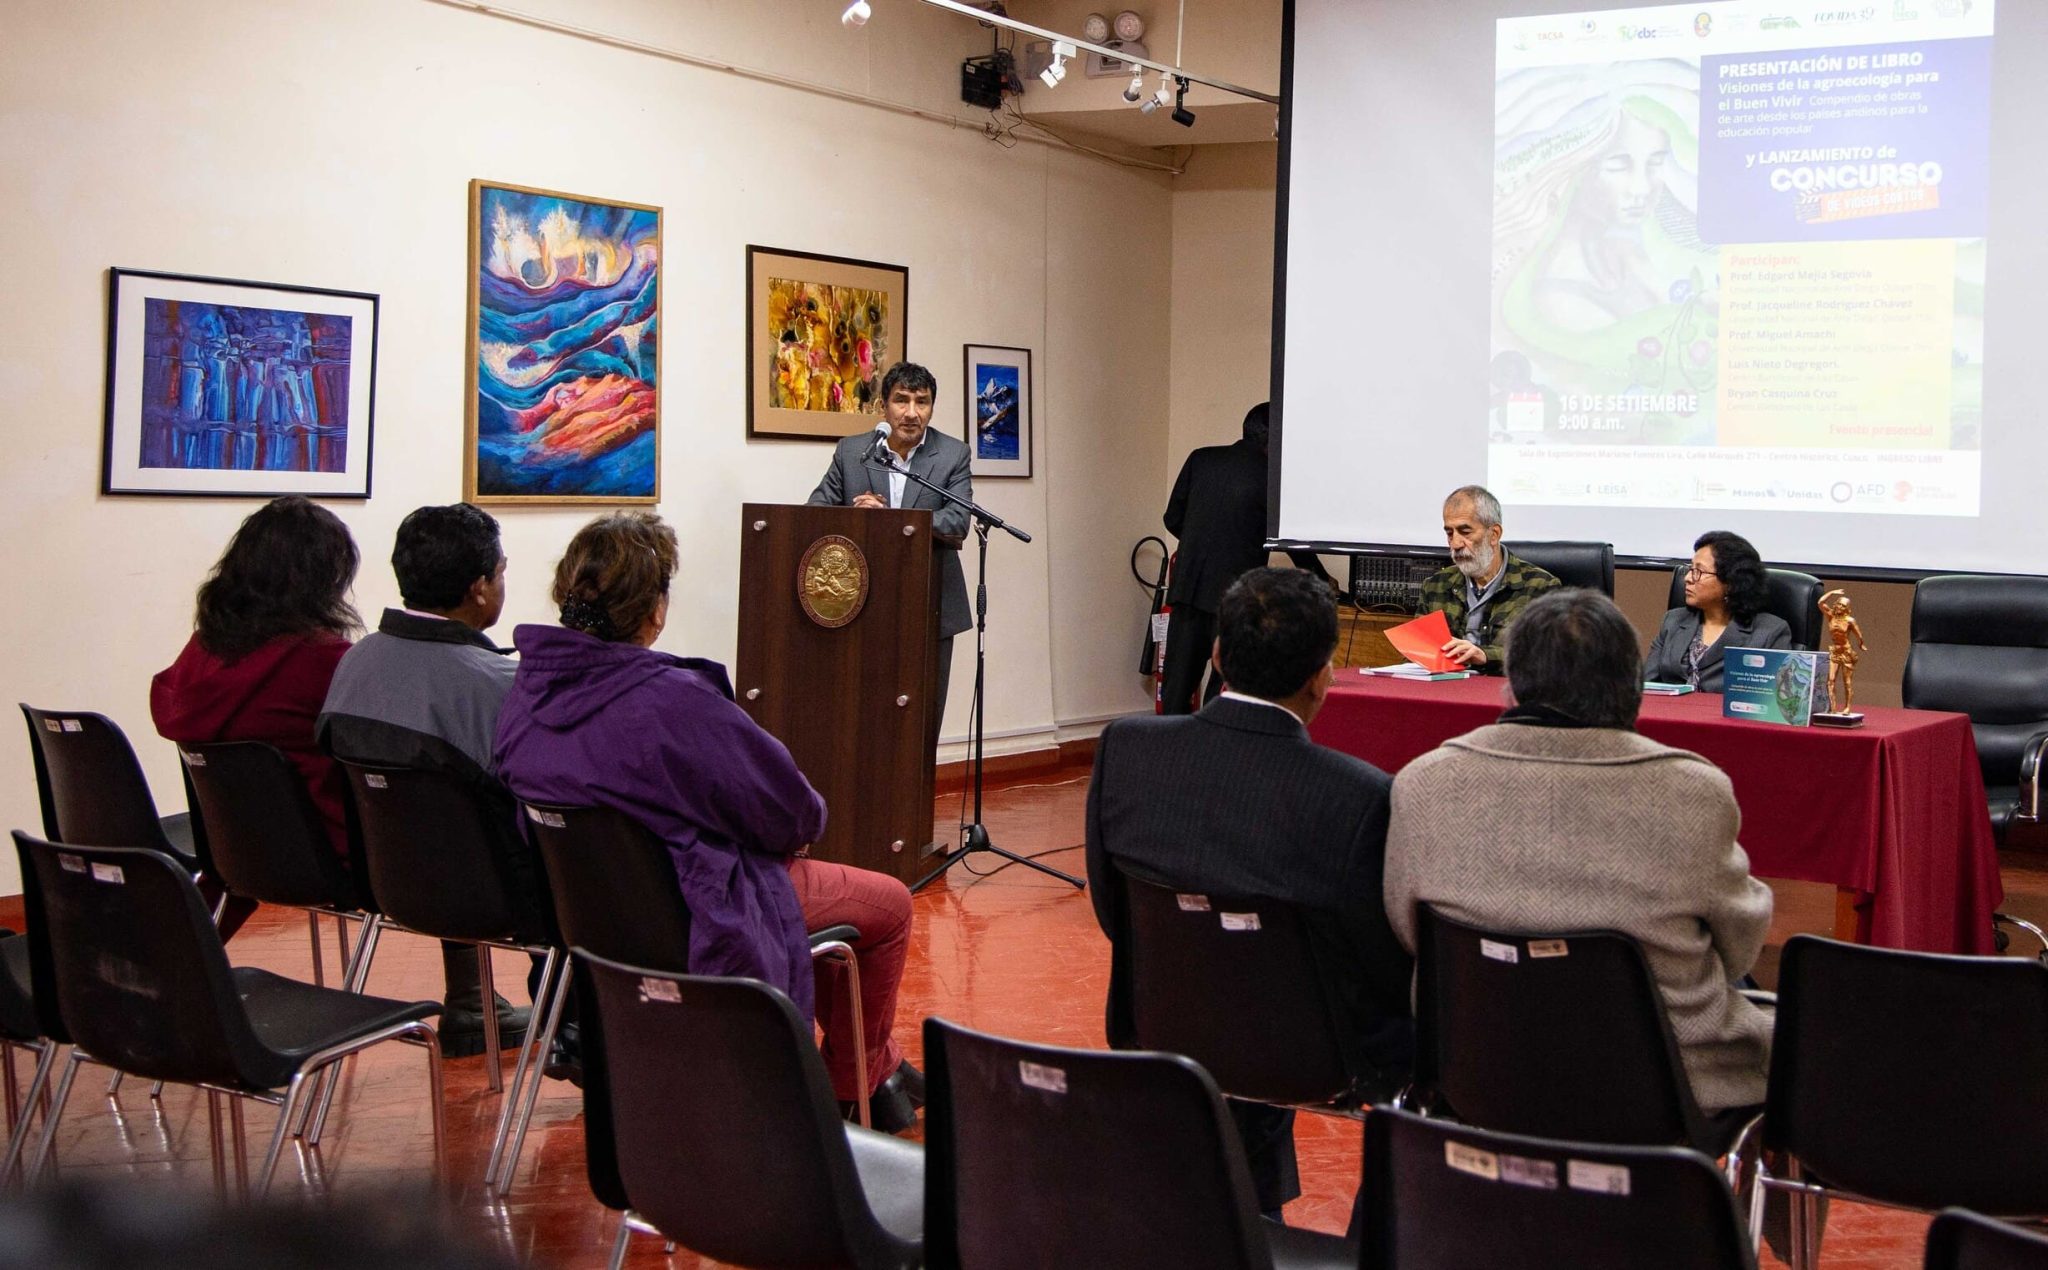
{"type": "Point", "coordinates": [1422, 642]}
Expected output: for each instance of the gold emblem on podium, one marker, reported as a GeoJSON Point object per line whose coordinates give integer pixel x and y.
{"type": "Point", "coordinates": [832, 581]}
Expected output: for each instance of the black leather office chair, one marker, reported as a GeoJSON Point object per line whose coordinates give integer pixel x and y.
{"type": "Point", "coordinates": [1580, 564]}
{"type": "Point", "coordinates": [1790, 594]}
{"type": "Point", "coordinates": [1961, 1240]}
{"type": "Point", "coordinates": [1980, 646]}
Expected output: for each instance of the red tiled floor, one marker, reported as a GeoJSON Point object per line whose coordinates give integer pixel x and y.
{"type": "Point", "coordinates": [1015, 952]}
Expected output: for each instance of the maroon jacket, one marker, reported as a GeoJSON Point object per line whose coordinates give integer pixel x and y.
{"type": "Point", "coordinates": [273, 695]}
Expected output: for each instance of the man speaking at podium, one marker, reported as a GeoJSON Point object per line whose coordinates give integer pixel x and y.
{"type": "Point", "coordinates": [860, 476]}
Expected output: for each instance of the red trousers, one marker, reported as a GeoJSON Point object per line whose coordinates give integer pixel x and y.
{"type": "Point", "coordinates": [879, 907]}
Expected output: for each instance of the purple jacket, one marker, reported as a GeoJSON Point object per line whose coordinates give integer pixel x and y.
{"type": "Point", "coordinates": [659, 738]}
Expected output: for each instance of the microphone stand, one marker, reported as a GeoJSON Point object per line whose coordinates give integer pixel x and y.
{"type": "Point", "coordinates": [976, 836]}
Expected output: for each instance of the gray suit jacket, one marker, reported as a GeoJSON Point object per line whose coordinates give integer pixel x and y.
{"type": "Point", "coordinates": [1665, 662]}
{"type": "Point", "coordinates": [940, 460]}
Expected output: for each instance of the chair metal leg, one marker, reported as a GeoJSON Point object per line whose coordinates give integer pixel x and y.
{"type": "Point", "coordinates": [430, 1040]}
{"type": "Point", "coordinates": [287, 1112]}
{"type": "Point", "coordinates": [319, 968]}
{"type": "Point", "coordinates": [1803, 1237]}
{"type": "Point", "coordinates": [38, 1089]}
{"type": "Point", "coordinates": [114, 1083]}
{"type": "Point", "coordinates": [842, 952]}
{"type": "Point", "coordinates": [13, 1085]}
{"type": "Point", "coordinates": [156, 1089]}
{"type": "Point", "coordinates": [494, 1067]}
{"type": "Point", "coordinates": [357, 977]}
{"type": "Point", "coordinates": [241, 1136]}
{"type": "Point", "coordinates": [619, 1242]}
{"type": "Point", "coordinates": [525, 1091]}
{"type": "Point", "coordinates": [214, 1143]}
{"type": "Point", "coordinates": [52, 1116]}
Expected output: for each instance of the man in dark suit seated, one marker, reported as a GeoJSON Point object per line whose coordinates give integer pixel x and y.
{"type": "Point", "coordinates": [1217, 512]}
{"type": "Point", "coordinates": [1237, 798]}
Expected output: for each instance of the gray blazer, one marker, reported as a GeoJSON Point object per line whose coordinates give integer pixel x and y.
{"type": "Point", "coordinates": [1666, 660]}
{"type": "Point", "coordinates": [941, 460]}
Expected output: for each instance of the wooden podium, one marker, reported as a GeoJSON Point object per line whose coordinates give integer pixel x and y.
{"type": "Point", "coordinates": [851, 695]}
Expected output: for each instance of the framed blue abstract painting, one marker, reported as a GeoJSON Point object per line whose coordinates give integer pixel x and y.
{"type": "Point", "coordinates": [224, 388]}
{"type": "Point", "coordinates": [564, 346]}
{"type": "Point", "coordinates": [998, 423]}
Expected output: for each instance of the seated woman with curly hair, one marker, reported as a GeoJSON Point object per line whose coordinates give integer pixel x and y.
{"type": "Point", "coordinates": [596, 716]}
{"type": "Point", "coordinates": [1725, 588]}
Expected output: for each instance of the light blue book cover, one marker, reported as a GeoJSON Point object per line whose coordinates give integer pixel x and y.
{"type": "Point", "coordinates": [1773, 685]}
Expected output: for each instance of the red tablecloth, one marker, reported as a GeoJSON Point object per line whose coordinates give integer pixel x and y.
{"type": "Point", "coordinates": [1894, 808]}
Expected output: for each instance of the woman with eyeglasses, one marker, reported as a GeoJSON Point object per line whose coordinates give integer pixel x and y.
{"type": "Point", "coordinates": [1725, 588]}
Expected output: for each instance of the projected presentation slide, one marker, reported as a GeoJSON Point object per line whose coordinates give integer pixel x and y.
{"type": "Point", "coordinates": [1738, 257]}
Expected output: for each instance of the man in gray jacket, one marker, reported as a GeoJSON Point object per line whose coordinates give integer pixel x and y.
{"type": "Point", "coordinates": [1562, 817]}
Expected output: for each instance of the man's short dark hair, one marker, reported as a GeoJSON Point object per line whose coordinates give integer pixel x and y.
{"type": "Point", "coordinates": [440, 551]}
{"type": "Point", "coordinates": [909, 375]}
{"type": "Point", "coordinates": [1573, 652]}
{"type": "Point", "coordinates": [1277, 628]}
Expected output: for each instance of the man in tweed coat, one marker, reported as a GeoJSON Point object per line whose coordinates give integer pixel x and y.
{"type": "Point", "coordinates": [1562, 817]}
{"type": "Point", "coordinates": [1237, 799]}
{"type": "Point", "coordinates": [1485, 586]}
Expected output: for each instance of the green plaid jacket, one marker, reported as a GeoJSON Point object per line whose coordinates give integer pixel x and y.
{"type": "Point", "coordinates": [1524, 582]}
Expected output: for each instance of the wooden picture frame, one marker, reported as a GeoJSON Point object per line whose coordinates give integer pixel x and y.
{"type": "Point", "coordinates": [996, 411]}
{"type": "Point", "coordinates": [223, 388]}
{"type": "Point", "coordinates": [564, 345]}
{"type": "Point", "coordinates": [821, 332]}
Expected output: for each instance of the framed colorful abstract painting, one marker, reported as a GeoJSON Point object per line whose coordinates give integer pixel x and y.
{"type": "Point", "coordinates": [998, 423]}
{"type": "Point", "coordinates": [821, 330]}
{"type": "Point", "coordinates": [223, 388]}
{"type": "Point", "coordinates": [564, 341]}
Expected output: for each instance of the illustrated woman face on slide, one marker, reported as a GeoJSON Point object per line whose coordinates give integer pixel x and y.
{"type": "Point", "coordinates": [1627, 177]}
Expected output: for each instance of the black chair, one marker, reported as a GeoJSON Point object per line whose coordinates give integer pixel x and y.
{"type": "Point", "coordinates": [727, 1137]}
{"type": "Point", "coordinates": [1961, 1240]}
{"type": "Point", "coordinates": [92, 789]}
{"type": "Point", "coordinates": [20, 1029]}
{"type": "Point", "coordinates": [1788, 593]}
{"type": "Point", "coordinates": [1551, 1036]}
{"type": "Point", "coordinates": [1980, 647]}
{"type": "Point", "coordinates": [440, 865]}
{"type": "Point", "coordinates": [266, 842]}
{"type": "Point", "coordinates": [615, 895]}
{"type": "Point", "coordinates": [1578, 564]}
{"type": "Point", "coordinates": [1233, 983]}
{"type": "Point", "coordinates": [1439, 1196]}
{"type": "Point", "coordinates": [1042, 1156]}
{"type": "Point", "coordinates": [1917, 1080]}
{"type": "Point", "coordinates": [140, 981]}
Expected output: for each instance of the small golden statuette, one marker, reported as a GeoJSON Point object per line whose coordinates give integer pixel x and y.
{"type": "Point", "coordinates": [832, 581]}
{"type": "Point", "coordinates": [1845, 646]}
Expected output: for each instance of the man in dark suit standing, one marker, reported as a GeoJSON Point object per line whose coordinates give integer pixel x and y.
{"type": "Point", "coordinates": [1218, 513]}
{"type": "Point", "coordinates": [858, 477]}
{"type": "Point", "coordinates": [1237, 799]}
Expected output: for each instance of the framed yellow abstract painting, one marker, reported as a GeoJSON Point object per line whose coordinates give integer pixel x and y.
{"type": "Point", "coordinates": [821, 331]}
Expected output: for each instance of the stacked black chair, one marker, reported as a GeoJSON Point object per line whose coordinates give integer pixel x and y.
{"type": "Point", "coordinates": [440, 865]}
{"type": "Point", "coordinates": [615, 896]}
{"type": "Point", "coordinates": [1552, 1036]}
{"type": "Point", "coordinates": [1917, 1080]}
{"type": "Point", "coordinates": [126, 959]}
{"type": "Point", "coordinates": [1440, 1196]}
{"type": "Point", "coordinates": [92, 789]}
{"type": "Point", "coordinates": [1233, 983]}
{"type": "Point", "coordinates": [1577, 564]}
{"type": "Point", "coordinates": [266, 842]}
{"type": "Point", "coordinates": [1980, 647]}
{"type": "Point", "coordinates": [1788, 593]}
{"type": "Point", "coordinates": [1041, 1156]}
{"type": "Point", "coordinates": [727, 1138]}
{"type": "Point", "coordinates": [20, 1028]}
{"type": "Point", "coordinates": [1961, 1240]}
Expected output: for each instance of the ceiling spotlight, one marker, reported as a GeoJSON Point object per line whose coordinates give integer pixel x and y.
{"type": "Point", "coordinates": [1057, 71]}
{"type": "Point", "coordinates": [857, 14]}
{"type": "Point", "coordinates": [1095, 27]}
{"type": "Point", "coordinates": [1162, 98]}
{"type": "Point", "coordinates": [1181, 114]}
{"type": "Point", "coordinates": [1136, 88]}
{"type": "Point", "coordinates": [1129, 26]}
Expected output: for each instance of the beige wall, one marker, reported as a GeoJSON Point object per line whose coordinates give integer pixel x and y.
{"type": "Point", "coordinates": [331, 145]}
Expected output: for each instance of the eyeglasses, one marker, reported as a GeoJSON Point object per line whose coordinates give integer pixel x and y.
{"type": "Point", "coordinates": [1694, 572]}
